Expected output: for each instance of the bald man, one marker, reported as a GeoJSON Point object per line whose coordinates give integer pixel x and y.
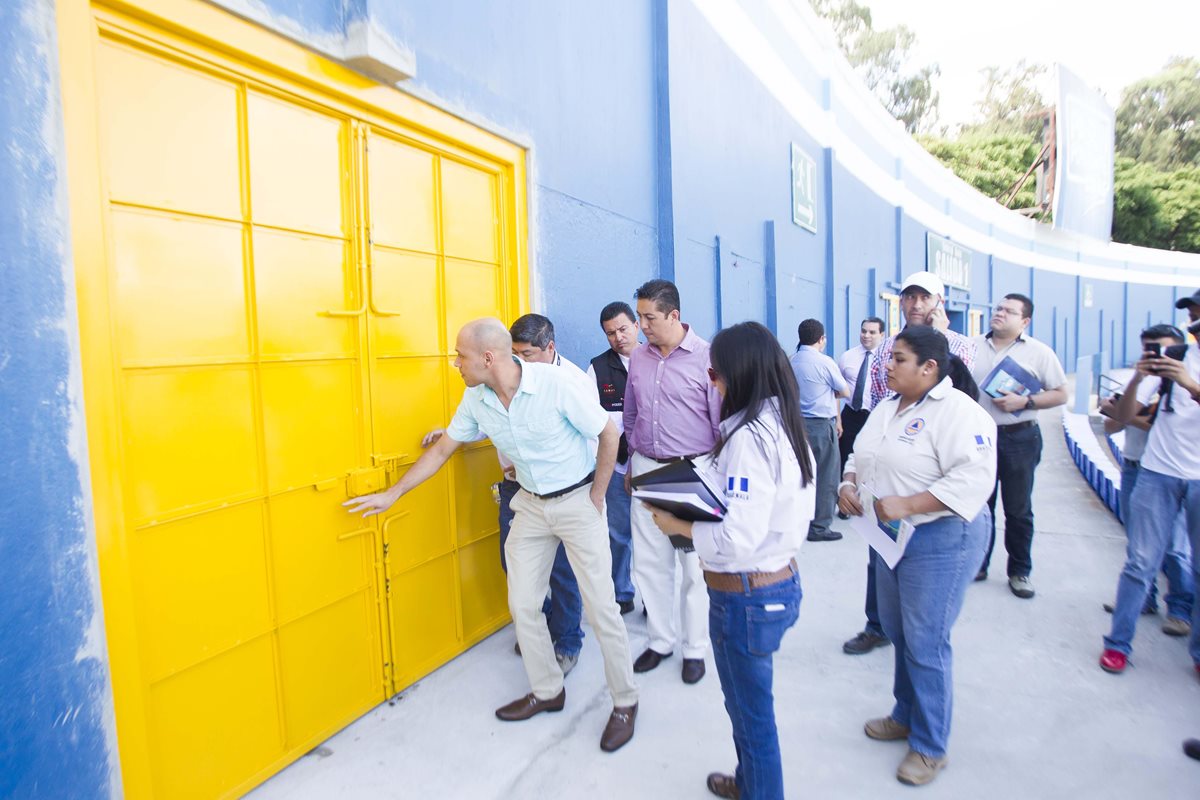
{"type": "Point", "coordinates": [541, 419]}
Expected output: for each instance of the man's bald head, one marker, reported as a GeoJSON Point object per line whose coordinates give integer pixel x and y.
{"type": "Point", "coordinates": [484, 349]}
{"type": "Point", "coordinates": [486, 334]}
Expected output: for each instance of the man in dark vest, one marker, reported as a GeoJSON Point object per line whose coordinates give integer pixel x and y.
{"type": "Point", "coordinates": [609, 370]}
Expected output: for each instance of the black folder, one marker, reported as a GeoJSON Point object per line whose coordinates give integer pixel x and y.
{"type": "Point", "coordinates": [680, 488]}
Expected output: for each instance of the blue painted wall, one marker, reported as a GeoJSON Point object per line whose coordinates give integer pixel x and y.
{"type": "Point", "coordinates": [56, 712]}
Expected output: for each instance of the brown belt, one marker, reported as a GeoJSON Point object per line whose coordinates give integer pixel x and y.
{"type": "Point", "coordinates": [738, 581]}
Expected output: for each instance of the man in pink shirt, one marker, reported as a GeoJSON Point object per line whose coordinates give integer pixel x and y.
{"type": "Point", "coordinates": [672, 412]}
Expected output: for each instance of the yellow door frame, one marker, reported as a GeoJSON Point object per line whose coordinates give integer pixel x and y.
{"type": "Point", "coordinates": [202, 31]}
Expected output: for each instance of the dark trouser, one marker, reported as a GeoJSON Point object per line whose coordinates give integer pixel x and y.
{"type": "Point", "coordinates": [746, 629]}
{"type": "Point", "coordinates": [822, 438]}
{"type": "Point", "coordinates": [1018, 452]}
{"type": "Point", "coordinates": [871, 607]}
{"type": "Point", "coordinates": [852, 423]}
{"type": "Point", "coordinates": [564, 607]}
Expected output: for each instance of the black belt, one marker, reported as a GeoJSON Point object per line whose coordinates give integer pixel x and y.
{"type": "Point", "coordinates": [1016, 426]}
{"type": "Point", "coordinates": [673, 459]}
{"type": "Point", "coordinates": [560, 492]}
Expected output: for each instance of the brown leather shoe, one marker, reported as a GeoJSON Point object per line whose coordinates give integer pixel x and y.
{"type": "Point", "coordinates": [649, 660]}
{"type": "Point", "coordinates": [693, 670]}
{"type": "Point", "coordinates": [527, 706]}
{"type": "Point", "coordinates": [619, 729]}
{"type": "Point", "coordinates": [723, 785]}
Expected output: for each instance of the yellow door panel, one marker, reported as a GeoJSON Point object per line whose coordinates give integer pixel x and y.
{"type": "Point", "coordinates": [216, 724]}
{"type": "Point", "coordinates": [484, 588]}
{"type": "Point", "coordinates": [169, 134]}
{"type": "Point", "coordinates": [404, 287]}
{"type": "Point", "coordinates": [320, 553]}
{"type": "Point", "coordinates": [403, 203]}
{"type": "Point", "coordinates": [470, 228]}
{"type": "Point", "coordinates": [418, 527]}
{"type": "Point", "coordinates": [475, 470]}
{"type": "Point", "coordinates": [180, 289]}
{"type": "Point", "coordinates": [201, 418]}
{"type": "Point", "coordinates": [296, 166]}
{"type": "Point", "coordinates": [424, 607]}
{"type": "Point", "coordinates": [331, 667]}
{"type": "Point", "coordinates": [299, 279]}
{"type": "Point", "coordinates": [408, 404]}
{"type": "Point", "coordinates": [310, 419]}
{"type": "Point", "coordinates": [472, 291]}
{"type": "Point", "coordinates": [220, 599]}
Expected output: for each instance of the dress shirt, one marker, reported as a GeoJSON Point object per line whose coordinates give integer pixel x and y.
{"type": "Point", "coordinates": [960, 346]}
{"type": "Point", "coordinates": [944, 444]}
{"type": "Point", "coordinates": [1172, 448]}
{"type": "Point", "coordinates": [559, 361]}
{"type": "Point", "coordinates": [850, 362]}
{"type": "Point", "coordinates": [544, 432]}
{"type": "Point", "coordinates": [1037, 358]}
{"type": "Point", "coordinates": [819, 380]}
{"type": "Point", "coordinates": [768, 510]}
{"type": "Point", "coordinates": [617, 417]}
{"type": "Point", "coordinates": [671, 407]}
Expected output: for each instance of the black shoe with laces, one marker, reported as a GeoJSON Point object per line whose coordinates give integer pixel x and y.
{"type": "Point", "coordinates": [864, 642]}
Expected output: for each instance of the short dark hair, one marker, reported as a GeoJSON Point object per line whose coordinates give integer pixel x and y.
{"type": "Point", "coordinates": [615, 309]}
{"type": "Point", "coordinates": [533, 329]}
{"type": "Point", "coordinates": [876, 320]}
{"type": "Point", "coordinates": [1026, 304]}
{"type": "Point", "coordinates": [662, 293]}
{"type": "Point", "coordinates": [810, 332]}
{"type": "Point", "coordinates": [1163, 331]}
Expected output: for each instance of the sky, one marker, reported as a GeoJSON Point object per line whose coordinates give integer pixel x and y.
{"type": "Point", "coordinates": [1109, 44]}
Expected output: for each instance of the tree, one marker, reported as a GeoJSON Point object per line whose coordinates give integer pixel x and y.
{"type": "Point", "coordinates": [1012, 102]}
{"type": "Point", "coordinates": [1157, 121]}
{"type": "Point", "coordinates": [1156, 208]}
{"type": "Point", "coordinates": [880, 57]}
{"type": "Point", "coordinates": [991, 162]}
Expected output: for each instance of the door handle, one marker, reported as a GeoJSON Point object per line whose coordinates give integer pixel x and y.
{"type": "Point", "coordinates": [361, 309]}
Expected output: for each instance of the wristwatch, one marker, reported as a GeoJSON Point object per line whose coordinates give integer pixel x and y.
{"type": "Point", "coordinates": [1029, 406]}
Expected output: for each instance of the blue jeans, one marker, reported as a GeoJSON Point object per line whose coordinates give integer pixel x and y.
{"type": "Point", "coordinates": [620, 536]}
{"type": "Point", "coordinates": [746, 629]}
{"type": "Point", "coordinates": [564, 607]}
{"type": "Point", "coordinates": [1156, 503]}
{"type": "Point", "coordinates": [918, 603]}
{"type": "Point", "coordinates": [1018, 452]}
{"type": "Point", "coordinates": [1177, 563]}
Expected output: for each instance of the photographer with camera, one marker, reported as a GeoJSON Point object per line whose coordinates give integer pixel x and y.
{"type": "Point", "coordinates": [1168, 483]}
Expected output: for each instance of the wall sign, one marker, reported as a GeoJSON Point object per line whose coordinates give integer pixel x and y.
{"type": "Point", "coordinates": [949, 261]}
{"type": "Point", "coordinates": [804, 195]}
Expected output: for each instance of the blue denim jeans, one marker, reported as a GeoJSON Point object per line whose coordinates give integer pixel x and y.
{"type": "Point", "coordinates": [1157, 502]}
{"type": "Point", "coordinates": [1018, 452]}
{"type": "Point", "coordinates": [564, 607]}
{"type": "Point", "coordinates": [1177, 563]}
{"type": "Point", "coordinates": [918, 603]}
{"type": "Point", "coordinates": [746, 629]}
{"type": "Point", "coordinates": [620, 536]}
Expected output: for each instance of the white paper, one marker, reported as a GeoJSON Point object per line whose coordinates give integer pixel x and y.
{"type": "Point", "coordinates": [889, 549]}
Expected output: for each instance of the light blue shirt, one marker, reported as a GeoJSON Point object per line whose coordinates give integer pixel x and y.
{"type": "Point", "coordinates": [820, 381]}
{"type": "Point", "coordinates": [545, 430]}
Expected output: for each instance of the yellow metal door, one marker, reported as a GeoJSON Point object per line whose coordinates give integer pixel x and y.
{"type": "Point", "coordinates": [267, 331]}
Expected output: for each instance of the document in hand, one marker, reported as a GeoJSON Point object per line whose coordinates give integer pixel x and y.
{"type": "Point", "coordinates": [888, 539]}
{"type": "Point", "coordinates": [682, 489]}
{"type": "Point", "coordinates": [1009, 376]}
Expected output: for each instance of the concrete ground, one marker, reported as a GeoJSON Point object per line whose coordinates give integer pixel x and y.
{"type": "Point", "coordinates": [1034, 715]}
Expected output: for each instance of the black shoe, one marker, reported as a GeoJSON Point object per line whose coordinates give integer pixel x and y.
{"type": "Point", "coordinates": [864, 642]}
{"type": "Point", "coordinates": [693, 670]}
{"type": "Point", "coordinates": [981, 575]}
{"type": "Point", "coordinates": [827, 536]}
{"type": "Point", "coordinates": [1147, 610]}
{"type": "Point", "coordinates": [626, 606]}
{"type": "Point", "coordinates": [1191, 748]}
{"type": "Point", "coordinates": [843, 515]}
{"type": "Point", "coordinates": [649, 660]}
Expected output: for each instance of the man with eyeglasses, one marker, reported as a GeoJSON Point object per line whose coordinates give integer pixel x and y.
{"type": "Point", "coordinates": [1019, 440]}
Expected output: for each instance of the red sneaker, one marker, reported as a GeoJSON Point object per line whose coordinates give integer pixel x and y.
{"type": "Point", "coordinates": [1113, 661]}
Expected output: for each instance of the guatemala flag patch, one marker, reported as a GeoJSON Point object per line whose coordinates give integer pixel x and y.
{"type": "Point", "coordinates": [738, 487]}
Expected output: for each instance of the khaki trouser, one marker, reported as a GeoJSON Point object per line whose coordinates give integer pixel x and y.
{"type": "Point", "coordinates": [537, 529]}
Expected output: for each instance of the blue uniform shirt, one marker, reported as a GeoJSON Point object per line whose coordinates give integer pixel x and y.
{"type": "Point", "coordinates": [820, 380]}
{"type": "Point", "coordinates": [545, 430]}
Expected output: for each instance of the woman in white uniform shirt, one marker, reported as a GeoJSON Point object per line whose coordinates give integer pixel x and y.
{"type": "Point", "coordinates": [764, 462]}
{"type": "Point", "coordinates": [928, 455]}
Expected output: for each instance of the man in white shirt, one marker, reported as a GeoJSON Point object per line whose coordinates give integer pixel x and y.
{"type": "Point", "coordinates": [1019, 439]}
{"type": "Point", "coordinates": [1168, 483]}
{"type": "Point", "coordinates": [609, 371]}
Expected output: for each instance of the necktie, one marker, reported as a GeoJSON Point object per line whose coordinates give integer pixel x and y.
{"type": "Point", "coordinates": [861, 382]}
